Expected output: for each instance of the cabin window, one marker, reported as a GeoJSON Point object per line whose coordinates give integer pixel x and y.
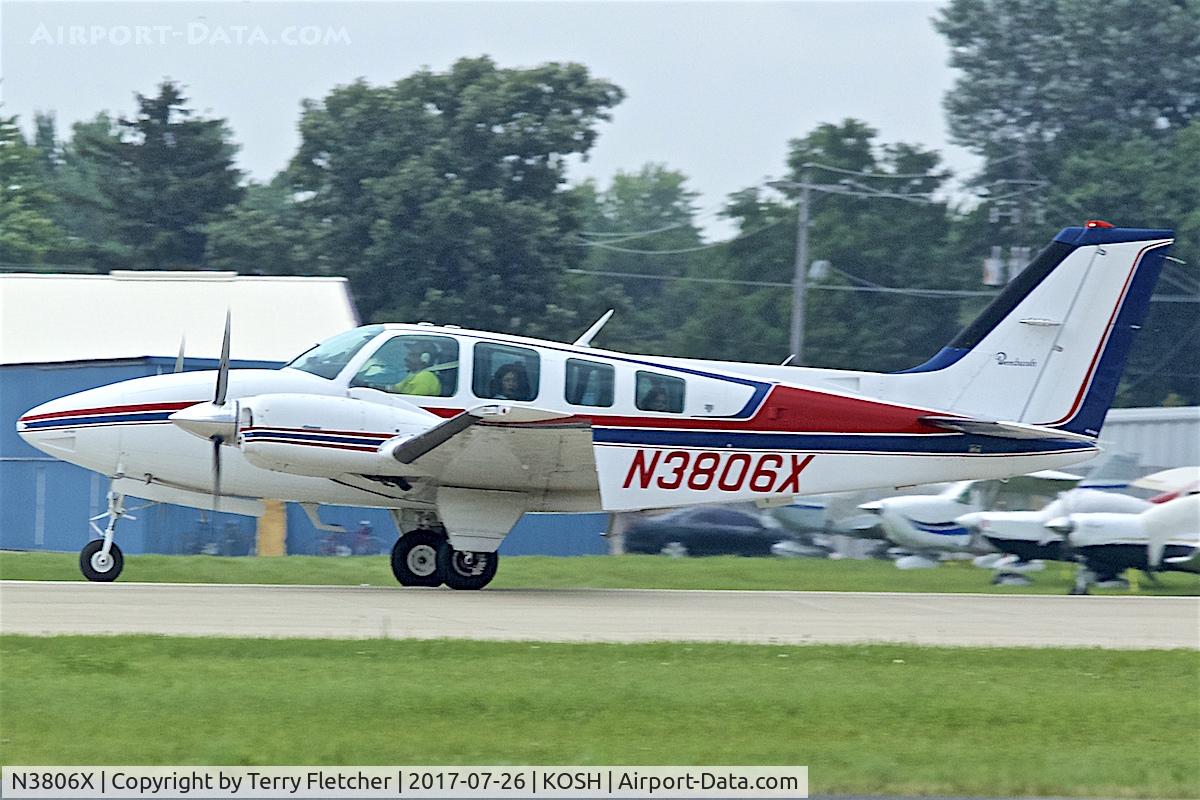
{"type": "Point", "coordinates": [505, 372]}
{"type": "Point", "coordinates": [656, 392]}
{"type": "Point", "coordinates": [413, 365]}
{"type": "Point", "coordinates": [329, 357]}
{"type": "Point", "coordinates": [589, 383]}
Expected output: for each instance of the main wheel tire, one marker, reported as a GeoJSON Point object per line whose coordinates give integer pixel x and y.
{"type": "Point", "coordinates": [96, 566]}
{"type": "Point", "coordinates": [463, 569]}
{"type": "Point", "coordinates": [415, 559]}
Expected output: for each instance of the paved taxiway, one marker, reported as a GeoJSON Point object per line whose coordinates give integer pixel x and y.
{"type": "Point", "coordinates": [598, 615]}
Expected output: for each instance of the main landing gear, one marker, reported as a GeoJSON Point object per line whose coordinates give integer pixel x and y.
{"type": "Point", "coordinates": [424, 557]}
{"type": "Point", "coordinates": [100, 559]}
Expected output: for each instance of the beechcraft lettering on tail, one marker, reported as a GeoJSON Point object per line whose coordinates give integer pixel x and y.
{"type": "Point", "coordinates": [460, 432]}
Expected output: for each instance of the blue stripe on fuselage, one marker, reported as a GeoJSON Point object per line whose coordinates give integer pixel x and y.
{"type": "Point", "coordinates": [98, 419]}
{"type": "Point", "coordinates": [935, 444]}
{"type": "Point", "coordinates": [315, 436]}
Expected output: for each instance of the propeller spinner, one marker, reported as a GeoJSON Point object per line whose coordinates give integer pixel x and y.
{"type": "Point", "coordinates": [217, 420]}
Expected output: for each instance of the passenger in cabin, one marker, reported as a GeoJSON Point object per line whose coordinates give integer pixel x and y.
{"type": "Point", "coordinates": [420, 380]}
{"type": "Point", "coordinates": [511, 382]}
{"type": "Point", "coordinates": [656, 400]}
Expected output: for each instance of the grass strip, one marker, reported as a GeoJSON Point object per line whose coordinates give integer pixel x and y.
{"type": "Point", "coordinates": [609, 572]}
{"type": "Point", "coordinates": [864, 718]}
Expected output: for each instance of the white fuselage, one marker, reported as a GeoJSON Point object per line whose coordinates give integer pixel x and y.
{"type": "Point", "coordinates": [734, 434]}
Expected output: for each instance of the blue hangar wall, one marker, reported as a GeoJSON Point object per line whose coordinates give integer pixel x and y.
{"type": "Point", "coordinates": [45, 504]}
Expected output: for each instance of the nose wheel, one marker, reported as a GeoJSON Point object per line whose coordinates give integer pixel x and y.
{"type": "Point", "coordinates": [98, 565]}
{"type": "Point", "coordinates": [100, 559]}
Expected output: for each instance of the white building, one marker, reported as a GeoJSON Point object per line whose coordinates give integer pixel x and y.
{"type": "Point", "coordinates": [1161, 438]}
{"type": "Point", "coordinates": [58, 318]}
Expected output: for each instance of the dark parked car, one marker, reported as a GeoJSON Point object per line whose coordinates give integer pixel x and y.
{"type": "Point", "coordinates": [704, 532]}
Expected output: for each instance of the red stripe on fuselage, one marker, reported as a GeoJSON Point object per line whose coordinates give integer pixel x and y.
{"type": "Point", "coordinates": [128, 409]}
{"type": "Point", "coordinates": [786, 409]}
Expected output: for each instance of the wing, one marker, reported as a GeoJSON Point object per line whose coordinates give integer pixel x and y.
{"type": "Point", "coordinates": [505, 449]}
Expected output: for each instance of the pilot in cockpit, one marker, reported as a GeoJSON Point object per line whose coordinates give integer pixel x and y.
{"type": "Point", "coordinates": [420, 379]}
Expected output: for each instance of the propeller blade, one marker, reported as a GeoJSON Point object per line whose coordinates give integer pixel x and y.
{"type": "Point", "coordinates": [179, 358]}
{"type": "Point", "coordinates": [223, 367]}
{"type": "Point", "coordinates": [216, 473]}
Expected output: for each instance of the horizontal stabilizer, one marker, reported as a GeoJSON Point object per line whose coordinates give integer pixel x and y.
{"type": "Point", "coordinates": [1004, 430]}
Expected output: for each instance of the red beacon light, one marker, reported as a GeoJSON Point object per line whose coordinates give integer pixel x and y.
{"type": "Point", "coordinates": [1097, 223]}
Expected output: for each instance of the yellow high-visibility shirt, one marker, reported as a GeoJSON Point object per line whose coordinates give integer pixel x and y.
{"type": "Point", "coordinates": [423, 383]}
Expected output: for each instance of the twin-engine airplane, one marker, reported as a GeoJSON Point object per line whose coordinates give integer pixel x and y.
{"type": "Point", "coordinates": [460, 432]}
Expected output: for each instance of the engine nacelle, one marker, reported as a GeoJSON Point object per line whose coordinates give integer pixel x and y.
{"type": "Point", "coordinates": [1105, 528]}
{"type": "Point", "coordinates": [924, 522]}
{"type": "Point", "coordinates": [322, 436]}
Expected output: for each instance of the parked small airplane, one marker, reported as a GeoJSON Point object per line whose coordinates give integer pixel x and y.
{"type": "Point", "coordinates": [1023, 538]}
{"type": "Point", "coordinates": [925, 528]}
{"type": "Point", "coordinates": [460, 432]}
{"type": "Point", "coordinates": [1165, 537]}
{"type": "Point", "coordinates": [1107, 533]}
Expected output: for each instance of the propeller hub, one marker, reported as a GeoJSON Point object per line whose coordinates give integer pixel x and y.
{"type": "Point", "coordinates": [208, 421]}
{"type": "Point", "coordinates": [1061, 525]}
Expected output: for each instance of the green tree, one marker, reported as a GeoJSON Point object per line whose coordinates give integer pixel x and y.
{"type": "Point", "coordinates": [28, 233]}
{"type": "Point", "coordinates": [442, 195]}
{"type": "Point", "coordinates": [267, 233]}
{"type": "Point", "coordinates": [1101, 101]}
{"type": "Point", "coordinates": [1041, 78]}
{"type": "Point", "coordinates": [867, 240]}
{"type": "Point", "coordinates": [83, 208]}
{"type": "Point", "coordinates": [1147, 183]}
{"type": "Point", "coordinates": [160, 176]}
{"type": "Point", "coordinates": [641, 224]}
{"type": "Point", "coordinates": [736, 322]}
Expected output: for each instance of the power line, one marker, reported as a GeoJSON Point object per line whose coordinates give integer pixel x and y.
{"type": "Point", "coordinates": [865, 285]}
{"type": "Point", "coordinates": [684, 278]}
{"type": "Point", "coordinates": [858, 174]}
{"type": "Point", "coordinates": [635, 234]}
{"type": "Point", "coordinates": [1162, 362]}
{"type": "Point", "coordinates": [681, 250]}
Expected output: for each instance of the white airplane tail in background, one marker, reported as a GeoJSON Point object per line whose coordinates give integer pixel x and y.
{"type": "Point", "coordinates": [1050, 349]}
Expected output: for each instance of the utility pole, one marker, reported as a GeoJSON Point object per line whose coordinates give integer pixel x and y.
{"type": "Point", "coordinates": [800, 274]}
{"type": "Point", "coordinates": [846, 186]}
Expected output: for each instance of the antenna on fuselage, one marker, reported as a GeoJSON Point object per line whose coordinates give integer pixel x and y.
{"type": "Point", "coordinates": [787, 362]}
{"type": "Point", "coordinates": [182, 347]}
{"type": "Point", "coordinates": [590, 333]}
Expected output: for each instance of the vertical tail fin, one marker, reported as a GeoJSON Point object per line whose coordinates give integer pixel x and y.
{"type": "Point", "coordinates": [1050, 349]}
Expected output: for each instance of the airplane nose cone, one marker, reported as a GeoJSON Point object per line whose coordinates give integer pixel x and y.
{"type": "Point", "coordinates": [43, 422]}
{"type": "Point", "coordinates": [208, 420]}
{"type": "Point", "coordinates": [973, 521]}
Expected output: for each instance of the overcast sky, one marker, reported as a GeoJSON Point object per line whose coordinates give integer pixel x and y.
{"type": "Point", "coordinates": [713, 89]}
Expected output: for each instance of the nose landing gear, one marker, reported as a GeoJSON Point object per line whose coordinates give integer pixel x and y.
{"type": "Point", "coordinates": [100, 559]}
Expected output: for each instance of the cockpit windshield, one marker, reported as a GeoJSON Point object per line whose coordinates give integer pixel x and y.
{"type": "Point", "coordinates": [329, 357]}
